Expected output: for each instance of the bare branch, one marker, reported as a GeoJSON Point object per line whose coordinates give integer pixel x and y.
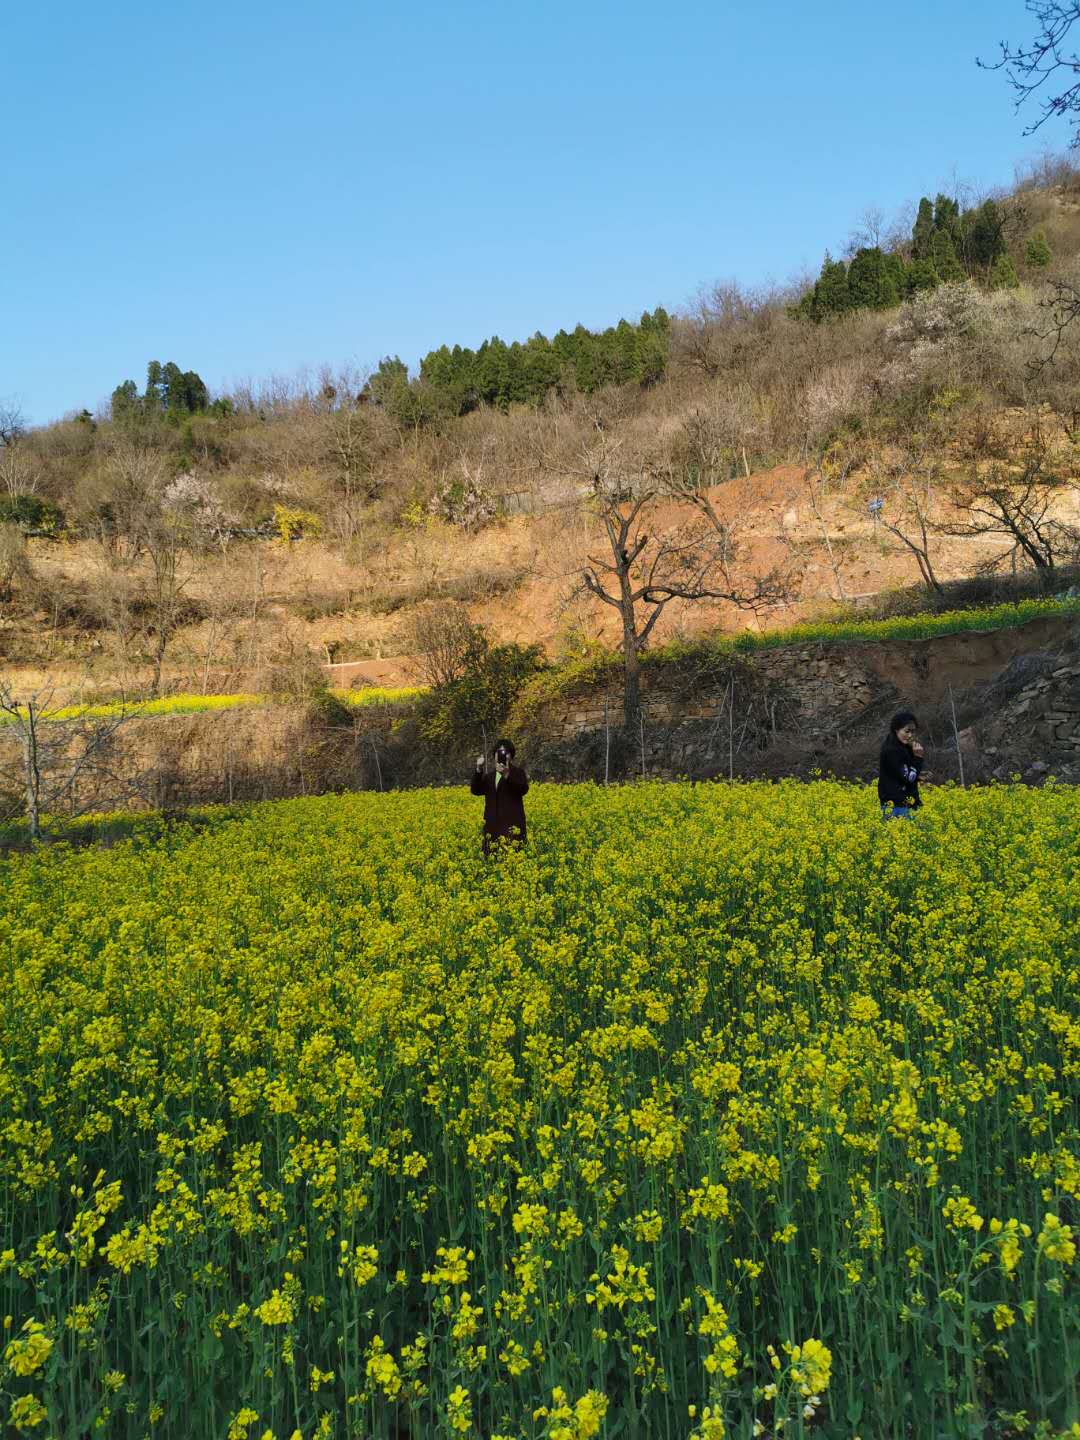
{"type": "Point", "coordinates": [1030, 66]}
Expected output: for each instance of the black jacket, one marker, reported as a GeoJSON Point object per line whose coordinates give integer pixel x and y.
{"type": "Point", "coordinates": [504, 810]}
{"type": "Point", "coordinates": [898, 774]}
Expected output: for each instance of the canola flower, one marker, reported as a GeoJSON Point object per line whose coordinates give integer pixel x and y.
{"type": "Point", "coordinates": [163, 705]}
{"type": "Point", "coordinates": [381, 695]}
{"type": "Point", "coordinates": [198, 704]}
{"type": "Point", "coordinates": [727, 1111]}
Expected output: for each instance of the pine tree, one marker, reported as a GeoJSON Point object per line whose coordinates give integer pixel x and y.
{"type": "Point", "coordinates": [831, 294]}
{"type": "Point", "coordinates": [896, 281]}
{"type": "Point", "coordinates": [921, 275]}
{"type": "Point", "coordinates": [153, 395]}
{"type": "Point", "coordinates": [982, 236]}
{"type": "Point", "coordinates": [943, 254]}
{"type": "Point", "coordinates": [125, 400]}
{"type": "Point", "coordinates": [947, 216]}
{"type": "Point", "coordinates": [866, 279]}
{"type": "Point", "coordinates": [922, 233]}
{"type": "Point", "coordinates": [1037, 252]}
{"type": "Point", "coordinates": [1003, 274]}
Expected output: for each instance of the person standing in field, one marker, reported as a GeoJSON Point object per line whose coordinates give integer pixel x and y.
{"type": "Point", "coordinates": [504, 795]}
{"type": "Point", "coordinates": [899, 766]}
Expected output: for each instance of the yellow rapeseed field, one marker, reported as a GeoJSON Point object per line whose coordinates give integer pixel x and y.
{"type": "Point", "coordinates": [722, 1111]}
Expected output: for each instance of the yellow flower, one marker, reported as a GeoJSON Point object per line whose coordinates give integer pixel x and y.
{"type": "Point", "coordinates": [275, 1311]}
{"type": "Point", "coordinates": [26, 1356]}
{"type": "Point", "coordinates": [811, 1367]}
{"type": "Point", "coordinates": [26, 1412]}
{"type": "Point", "coordinates": [1055, 1241]}
{"type": "Point", "coordinates": [648, 1227]}
{"type": "Point", "coordinates": [459, 1410]}
{"type": "Point", "coordinates": [242, 1422]}
{"type": "Point", "coordinates": [961, 1213]}
{"type": "Point", "coordinates": [589, 1413]}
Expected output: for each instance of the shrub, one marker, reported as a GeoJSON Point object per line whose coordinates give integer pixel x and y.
{"type": "Point", "coordinates": [446, 642]}
{"type": "Point", "coordinates": [30, 512]}
{"type": "Point", "coordinates": [478, 702]}
{"type": "Point", "coordinates": [14, 565]}
{"type": "Point", "coordinates": [295, 524]}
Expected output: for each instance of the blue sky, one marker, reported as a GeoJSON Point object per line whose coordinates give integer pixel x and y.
{"type": "Point", "coordinates": [251, 188]}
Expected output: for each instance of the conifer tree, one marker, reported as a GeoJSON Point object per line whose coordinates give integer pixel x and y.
{"type": "Point", "coordinates": [895, 282]}
{"type": "Point", "coordinates": [1037, 251]}
{"type": "Point", "coordinates": [831, 294]}
{"type": "Point", "coordinates": [982, 235]}
{"type": "Point", "coordinates": [866, 279]}
{"type": "Point", "coordinates": [947, 216]}
{"type": "Point", "coordinates": [943, 254]}
{"type": "Point", "coordinates": [1003, 274]}
{"type": "Point", "coordinates": [921, 275]}
{"type": "Point", "coordinates": [922, 233]}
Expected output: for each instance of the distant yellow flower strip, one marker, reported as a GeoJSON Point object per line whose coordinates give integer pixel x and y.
{"type": "Point", "coordinates": [722, 1111]}
{"type": "Point", "coordinates": [381, 695]}
{"type": "Point", "coordinates": [164, 705]}
{"type": "Point", "coordinates": [197, 704]}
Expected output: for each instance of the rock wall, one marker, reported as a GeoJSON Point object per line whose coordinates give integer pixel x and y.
{"type": "Point", "coordinates": [796, 708]}
{"type": "Point", "coordinates": [827, 686]}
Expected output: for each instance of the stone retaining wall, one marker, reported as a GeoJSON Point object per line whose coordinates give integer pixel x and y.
{"type": "Point", "coordinates": [826, 688]}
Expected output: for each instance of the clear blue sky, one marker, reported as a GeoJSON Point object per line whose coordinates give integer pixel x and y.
{"type": "Point", "coordinates": [250, 188]}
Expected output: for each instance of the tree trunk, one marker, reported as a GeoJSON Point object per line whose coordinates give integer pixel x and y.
{"type": "Point", "coordinates": [32, 774]}
{"type": "Point", "coordinates": [631, 657]}
{"type": "Point", "coordinates": [631, 681]}
{"type": "Point", "coordinates": [159, 658]}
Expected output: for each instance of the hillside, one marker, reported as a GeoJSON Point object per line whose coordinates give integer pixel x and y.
{"type": "Point", "coordinates": [184, 542]}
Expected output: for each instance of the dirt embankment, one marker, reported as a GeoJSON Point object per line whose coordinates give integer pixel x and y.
{"type": "Point", "coordinates": [264, 605]}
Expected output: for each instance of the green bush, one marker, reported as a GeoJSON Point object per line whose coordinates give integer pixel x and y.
{"type": "Point", "coordinates": [30, 512]}
{"type": "Point", "coordinates": [458, 715]}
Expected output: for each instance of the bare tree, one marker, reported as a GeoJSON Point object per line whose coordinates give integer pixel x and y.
{"type": "Point", "coordinates": [67, 759]}
{"type": "Point", "coordinates": [909, 479]}
{"type": "Point", "coordinates": [172, 567]}
{"type": "Point", "coordinates": [814, 479]}
{"type": "Point", "coordinates": [12, 425]}
{"type": "Point", "coordinates": [1021, 504]}
{"type": "Point", "coordinates": [1059, 306]}
{"type": "Point", "coordinates": [870, 230]}
{"type": "Point", "coordinates": [726, 327]}
{"type": "Point", "coordinates": [151, 548]}
{"type": "Point", "coordinates": [445, 642]}
{"type": "Point", "coordinates": [18, 473]}
{"type": "Point", "coordinates": [641, 572]}
{"type": "Point", "coordinates": [135, 478]}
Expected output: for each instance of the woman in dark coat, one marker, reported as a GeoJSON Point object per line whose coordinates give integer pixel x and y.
{"type": "Point", "coordinates": [504, 794]}
{"type": "Point", "coordinates": [899, 766]}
